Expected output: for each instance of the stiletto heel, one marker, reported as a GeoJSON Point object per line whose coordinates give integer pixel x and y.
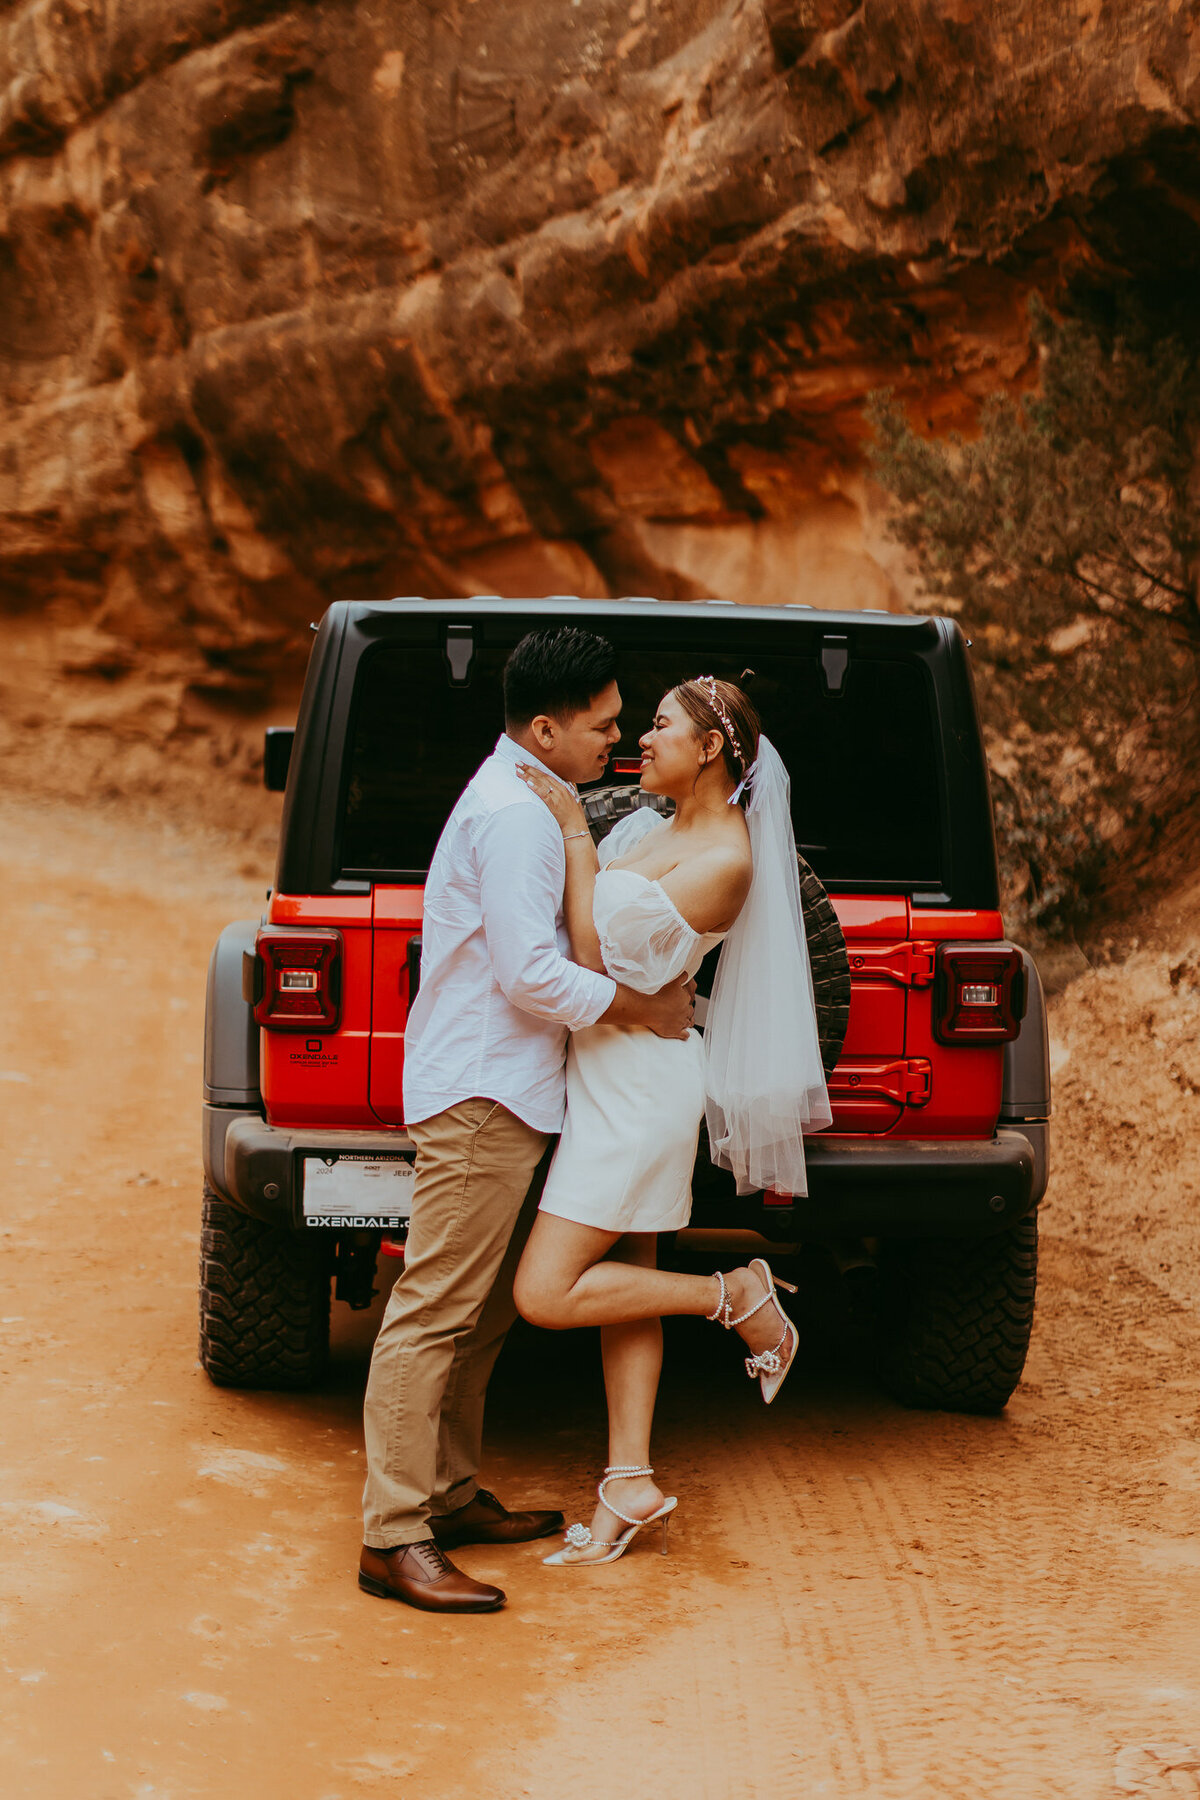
{"type": "Point", "coordinates": [579, 1537]}
{"type": "Point", "coordinates": [769, 1368]}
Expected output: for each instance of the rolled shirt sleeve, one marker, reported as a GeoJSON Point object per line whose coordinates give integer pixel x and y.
{"type": "Point", "coordinates": [522, 868]}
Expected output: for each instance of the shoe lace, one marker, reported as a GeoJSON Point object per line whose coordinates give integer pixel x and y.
{"type": "Point", "coordinates": [432, 1558]}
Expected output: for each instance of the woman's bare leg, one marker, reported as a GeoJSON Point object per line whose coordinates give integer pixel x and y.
{"type": "Point", "coordinates": [566, 1278]}
{"type": "Point", "coordinates": [632, 1354]}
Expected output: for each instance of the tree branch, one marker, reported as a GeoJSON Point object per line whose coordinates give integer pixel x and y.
{"type": "Point", "coordinates": [1171, 587]}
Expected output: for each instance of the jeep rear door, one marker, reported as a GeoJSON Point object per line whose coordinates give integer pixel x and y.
{"type": "Point", "coordinates": [424, 718]}
{"type": "Point", "coordinates": [851, 712]}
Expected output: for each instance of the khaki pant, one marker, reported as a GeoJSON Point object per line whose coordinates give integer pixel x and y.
{"type": "Point", "coordinates": [447, 1317]}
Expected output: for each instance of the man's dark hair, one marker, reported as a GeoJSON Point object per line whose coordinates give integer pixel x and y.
{"type": "Point", "coordinates": [556, 672]}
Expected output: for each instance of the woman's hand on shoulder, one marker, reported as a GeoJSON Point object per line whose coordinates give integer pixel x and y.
{"type": "Point", "coordinates": [710, 888]}
{"type": "Point", "coordinates": [565, 806]}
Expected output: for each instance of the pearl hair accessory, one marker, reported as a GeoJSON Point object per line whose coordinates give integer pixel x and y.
{"type": "Point", "coordinates": [709, 684]}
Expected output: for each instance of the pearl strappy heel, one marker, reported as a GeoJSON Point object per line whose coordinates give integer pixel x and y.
{"type": "Point", "coordinates": [579, 1537]}
{"type": "Point", "coordinates": [769, 1367]}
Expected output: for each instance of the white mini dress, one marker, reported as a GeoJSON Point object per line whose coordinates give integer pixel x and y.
{"type": "Point", "coordinates": [634, 1100]}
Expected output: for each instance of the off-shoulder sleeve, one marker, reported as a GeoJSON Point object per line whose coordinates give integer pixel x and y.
{"type": "Point", "coordinates": [627, 833]}
{"type": "Point", "coordinates": [644, 940]}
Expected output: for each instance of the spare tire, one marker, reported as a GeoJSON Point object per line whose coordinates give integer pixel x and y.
{"type": "Point", "coordinates": [606, 806]}
{"type": "Point", "coordinates": [830, 964]}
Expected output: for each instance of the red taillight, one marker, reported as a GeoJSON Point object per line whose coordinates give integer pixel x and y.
{"type": "Point", "coordinates": [297, 978]}
{"type": "Point", "coordinates": [980, 995]}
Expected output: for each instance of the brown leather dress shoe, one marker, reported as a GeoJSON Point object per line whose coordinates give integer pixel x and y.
{"type": "Point", "coordinates": [421, 1576]}
{"type": "Point", "coordinates": [484, 1520]}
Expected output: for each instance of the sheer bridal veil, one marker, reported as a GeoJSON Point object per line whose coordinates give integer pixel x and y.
{"type": "Point", "coordinates": [765, 1082]}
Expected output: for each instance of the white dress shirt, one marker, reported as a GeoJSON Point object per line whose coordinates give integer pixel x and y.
{"type": "Point", "coordinates": [498, 994]}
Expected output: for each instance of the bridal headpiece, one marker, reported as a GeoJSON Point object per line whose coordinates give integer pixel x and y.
{"type": "Point", "coordinates": [709, 685]}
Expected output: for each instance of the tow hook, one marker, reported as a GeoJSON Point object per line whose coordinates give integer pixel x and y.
{"type": "Point", "coordinates": [355, 1269]}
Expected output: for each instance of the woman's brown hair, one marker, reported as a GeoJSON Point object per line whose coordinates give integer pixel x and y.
{"type": "Point", "coordinates": [704, 700]}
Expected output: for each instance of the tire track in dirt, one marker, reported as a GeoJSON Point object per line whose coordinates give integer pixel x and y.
{"type": "Point", "coordinates": [950, 1606]}
{"type": "Point", "coordinates": [859, 1601]}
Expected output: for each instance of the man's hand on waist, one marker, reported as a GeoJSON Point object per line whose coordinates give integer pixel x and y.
{"type": "Point", "coordinates": [668, 1014]}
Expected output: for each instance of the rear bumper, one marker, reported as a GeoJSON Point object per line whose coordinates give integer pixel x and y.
{"type": "Point", "coordinates": [257, 1165]}
{"type": "Point", "coordinates": [901, 1188]}
{"type": "Point", "coordinates": [857, 1187]}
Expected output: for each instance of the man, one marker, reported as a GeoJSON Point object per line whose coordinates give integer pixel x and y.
{"type": "Point", "coordinates": [484, 1091]}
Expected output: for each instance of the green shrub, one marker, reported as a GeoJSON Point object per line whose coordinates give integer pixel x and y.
{"type": "Point", "coordinates": [1066, 536]}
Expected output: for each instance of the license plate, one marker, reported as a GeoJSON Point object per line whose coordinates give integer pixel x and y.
{"type": "Point", "coordinates": [357, 1192]}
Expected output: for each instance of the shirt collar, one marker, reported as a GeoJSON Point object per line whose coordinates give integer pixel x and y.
{"type": "Point", "coordinates": [513, 753]}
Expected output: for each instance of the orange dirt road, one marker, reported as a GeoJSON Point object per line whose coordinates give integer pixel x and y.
{"type": "Point", "coordinates": [859, 1601]}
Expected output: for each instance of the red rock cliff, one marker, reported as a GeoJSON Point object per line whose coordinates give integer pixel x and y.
{"type": "Point", "coordinates": [306, 300]}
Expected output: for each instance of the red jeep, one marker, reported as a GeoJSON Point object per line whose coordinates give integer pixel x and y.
{"type": "Point", "coordinates": [939, 1076]}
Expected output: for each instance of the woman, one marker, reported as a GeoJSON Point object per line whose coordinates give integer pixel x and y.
{"type": "Point", "coordinates": [662, 894]}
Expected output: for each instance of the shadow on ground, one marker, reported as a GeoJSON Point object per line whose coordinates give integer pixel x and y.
{"type": "Point", "coordinates": [550, 1383]}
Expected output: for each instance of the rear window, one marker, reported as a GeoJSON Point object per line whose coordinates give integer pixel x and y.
{"type": "Point", "coordinates": [863, 763]}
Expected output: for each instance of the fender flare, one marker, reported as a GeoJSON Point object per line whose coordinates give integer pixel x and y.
{"type": "Point", "coordinates": [230, 1033]}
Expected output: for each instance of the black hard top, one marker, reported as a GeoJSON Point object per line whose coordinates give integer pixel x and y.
{"type": "Point", "coordinates": [697, 613]}
{"type": "Point", "coordinates": [817, 646]}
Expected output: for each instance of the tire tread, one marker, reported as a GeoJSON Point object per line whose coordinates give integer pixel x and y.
{"type": "Point", "coordinates": [264, 1302]}
{"type": "Point", "coordinates": [957, 1315]}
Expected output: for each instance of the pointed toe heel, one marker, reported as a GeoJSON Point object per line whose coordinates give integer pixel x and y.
{"type": "Point", "coordinates": [580, 1539]}
{"type": "Point", "coordinates": [769, 1367]}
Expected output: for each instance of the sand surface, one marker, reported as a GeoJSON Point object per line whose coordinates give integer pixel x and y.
{"type": "Point", "coordinates": [859, 1601]}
